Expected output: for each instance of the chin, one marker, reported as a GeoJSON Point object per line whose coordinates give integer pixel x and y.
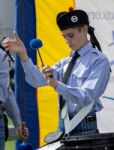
{"type": "Point", "coordinates": [72, 47]}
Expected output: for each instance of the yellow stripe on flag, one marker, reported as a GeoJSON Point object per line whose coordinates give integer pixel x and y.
{"type": "Point", "coordinates": [54, 48]}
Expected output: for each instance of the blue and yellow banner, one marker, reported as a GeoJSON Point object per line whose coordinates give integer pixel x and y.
{"type": "Point", "coordinates": [39, 107]}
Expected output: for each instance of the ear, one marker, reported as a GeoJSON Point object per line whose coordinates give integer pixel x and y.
{"type": "Point", "coordinates": [85, 29]}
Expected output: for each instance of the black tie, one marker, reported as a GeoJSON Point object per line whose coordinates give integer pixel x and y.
{"type": "Point", "coordinates": [66, 75]}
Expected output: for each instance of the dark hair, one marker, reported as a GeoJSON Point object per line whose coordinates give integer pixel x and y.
{"type": "Point", "coordinates": [93, 38]}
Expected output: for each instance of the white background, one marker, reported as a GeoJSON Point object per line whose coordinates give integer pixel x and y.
{"type": "Point", "coordinates": [101, 14]}
{"type": "Point", "coordinates": [6, 17]}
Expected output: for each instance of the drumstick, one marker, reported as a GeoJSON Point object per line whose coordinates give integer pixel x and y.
{"type": "Point", "coordinates": [36, 44]}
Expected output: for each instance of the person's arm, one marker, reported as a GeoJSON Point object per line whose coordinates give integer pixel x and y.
{"type": "Point", "coordinates": [12, 108]}
{"type": "Point", "coordinates": [36, 78]}
{"type": "Point", "coordinates": [7, 97]}
{"type": "Point", "coordinates": [14, 113]}
{"type": "Point", "coordinates": [33, 75]}
{"type": "Point", "coordinates": [6, 94]}
{"type": "Point", "coordinates": [92, 88]}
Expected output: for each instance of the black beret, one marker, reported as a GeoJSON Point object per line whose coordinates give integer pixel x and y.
{"type": "Point", "coordinates": [71, 19]}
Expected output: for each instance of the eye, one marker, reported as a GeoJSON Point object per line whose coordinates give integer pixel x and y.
{"type": "Point", "coordinates": [71, 35]}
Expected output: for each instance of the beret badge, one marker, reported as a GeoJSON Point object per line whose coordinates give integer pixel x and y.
{"type": "Point", "coordinates": [74, 18]}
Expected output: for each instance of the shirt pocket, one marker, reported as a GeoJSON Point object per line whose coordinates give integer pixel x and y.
{"type": "Point", "coordinates": [80, 76]}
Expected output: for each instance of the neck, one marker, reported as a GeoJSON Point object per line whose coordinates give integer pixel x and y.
{"type": "Point", "coordinates": [84, 43]}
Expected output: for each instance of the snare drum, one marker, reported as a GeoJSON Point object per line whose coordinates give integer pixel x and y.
{"type": "Point", "coordinates": [103, 141]}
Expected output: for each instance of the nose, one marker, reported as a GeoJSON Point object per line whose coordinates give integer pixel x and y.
{"type": "Point", "coordinates": [68, 41]}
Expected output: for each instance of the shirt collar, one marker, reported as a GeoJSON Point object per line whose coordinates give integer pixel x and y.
{"type": "Point", "coordinates": [82, 51]}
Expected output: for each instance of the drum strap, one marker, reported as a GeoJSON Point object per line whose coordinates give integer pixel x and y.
{"type": "Point", "coordinates": [71, 124]}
